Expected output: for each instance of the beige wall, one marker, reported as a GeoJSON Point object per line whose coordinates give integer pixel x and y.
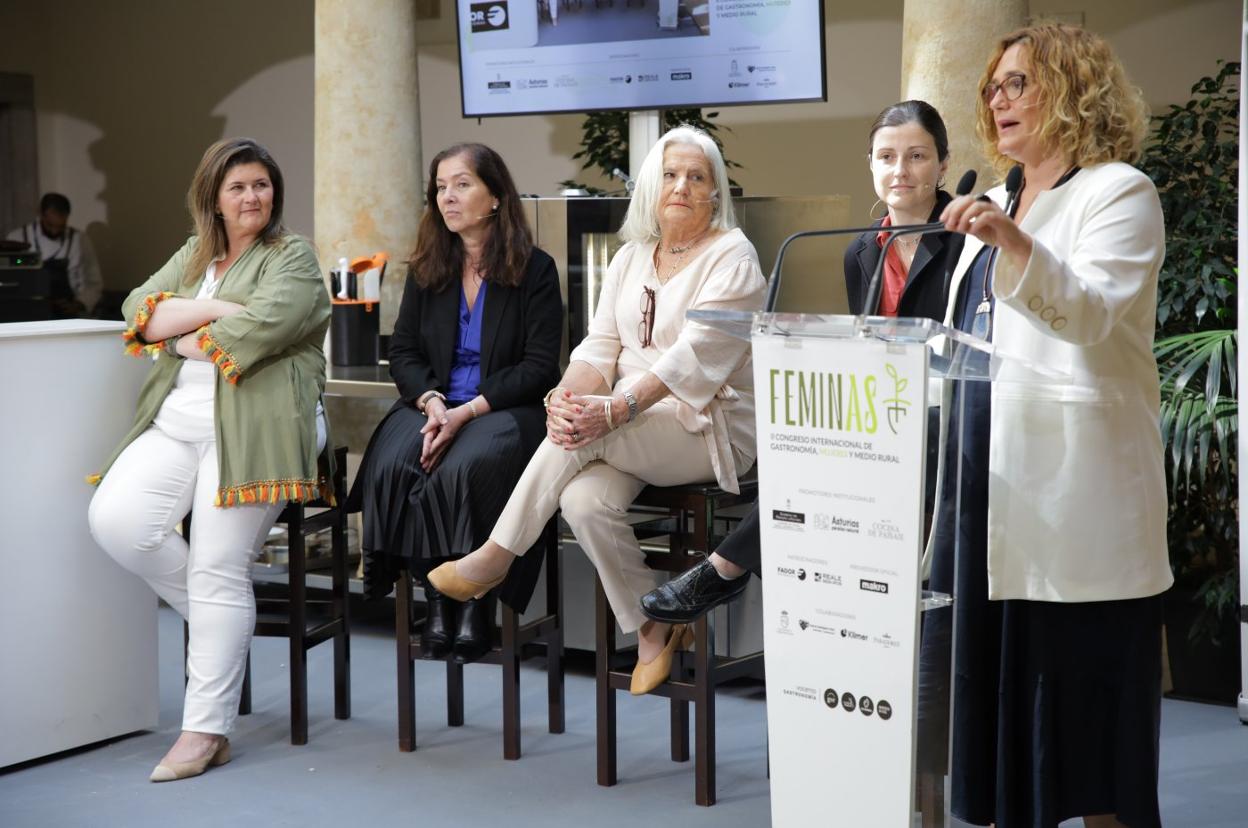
{"type": "Point", "coordinates": [130, 93]}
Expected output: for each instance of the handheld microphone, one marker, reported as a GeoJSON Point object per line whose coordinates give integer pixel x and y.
{"type": "Point", "coordinates": [875, 287]}
{"type": "Point", "coordinates": [1013, 184]}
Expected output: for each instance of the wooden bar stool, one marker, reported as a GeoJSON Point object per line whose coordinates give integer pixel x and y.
{"type": "Point", "coordinates": [689, 524]}
{"type": "Point", "coordinates": [541, 636]}
{"type": "Point", "coordinates": [289, 617]}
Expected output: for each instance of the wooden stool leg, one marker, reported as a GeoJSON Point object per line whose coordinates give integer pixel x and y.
{"type": "Point", "coordinates": [454, 693]}
{"type": "Point", "coordinates": [604, 623]}
{"type": "Point", "coordinates": [511, 683]}
{"type": "Point", "coordinates": [406, 670]}
{"type": "Point", "coordinates": [341, 608]}
{"type": "Point", "coordinates": [554, 643]}
{"type": "Point", "coordinates": [932, 799]}
{"type": "Point", "coordinates": [679, 714]}
{"type": "Point", "coordinates": [704, 714]}
{"type": "Point", "coordinates": [298, 629]}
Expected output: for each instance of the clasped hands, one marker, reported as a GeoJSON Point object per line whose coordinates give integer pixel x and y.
{"type": "Point", "coordinates": [576, 420]}
{"type": "Point", "coordinates": [440, 430]}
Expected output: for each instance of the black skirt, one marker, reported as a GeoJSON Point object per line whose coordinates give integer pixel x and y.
{"type": "Point", "coordinates": [413, 519]}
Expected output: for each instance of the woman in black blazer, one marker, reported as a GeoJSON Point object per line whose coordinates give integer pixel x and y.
{"type": "Point", "coordinates": [475, 347]}
{"type": "Point", "coordinates": [909, 152]}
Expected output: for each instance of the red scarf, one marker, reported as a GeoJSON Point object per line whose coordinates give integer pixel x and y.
{"type": "Point", "coordinates": [895, 272]}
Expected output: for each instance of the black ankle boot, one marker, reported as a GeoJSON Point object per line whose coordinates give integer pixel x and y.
{"type": "Point", "coordinates": [476, 628]}
{"type": "Point", "coordinates": [435, 636]}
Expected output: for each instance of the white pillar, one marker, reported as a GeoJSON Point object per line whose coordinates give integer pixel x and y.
{"type": "Point", "coordinates": [367, 156]}
{"type": "Point", "coordinates": [643, 131]}
{"type": "Point", "coordinates": [945, 44]}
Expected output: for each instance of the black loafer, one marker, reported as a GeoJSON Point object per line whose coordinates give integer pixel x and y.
{"type": "Point", "coordinates": [436, 634]}
{"type": "Point", "coordinates": [691, 595]}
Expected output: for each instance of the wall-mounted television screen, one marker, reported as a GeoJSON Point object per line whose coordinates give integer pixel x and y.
{"type": "Point", "coordinates": [523, 57]}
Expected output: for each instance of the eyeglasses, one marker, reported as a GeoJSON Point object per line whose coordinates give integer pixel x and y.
{"type": "Point", "coordinates": [645, 330]}
{"type": "Point", "coordinates": [1012, 87]}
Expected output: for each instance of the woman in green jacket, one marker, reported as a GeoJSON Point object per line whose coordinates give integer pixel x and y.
{"type": "Point", "coordinates": [229, 423]}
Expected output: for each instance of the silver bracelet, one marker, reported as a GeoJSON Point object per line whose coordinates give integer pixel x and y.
{"type": "Point", "coordinates": [606, 412]}
{"type": "Point", "coordinates": [472, 409]}
{"type": "Point", "coordinates": [632, 406]}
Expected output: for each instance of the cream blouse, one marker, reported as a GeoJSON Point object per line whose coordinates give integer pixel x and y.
{"type": "Point", "coordinates": [709, 372]}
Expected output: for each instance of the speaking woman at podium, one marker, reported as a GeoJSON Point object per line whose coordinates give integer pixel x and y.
{"type": "Point", "coordinates": [1062, 553]}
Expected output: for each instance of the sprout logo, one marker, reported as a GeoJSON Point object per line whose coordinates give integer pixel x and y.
{"type": "Point", "coordinates": [896, 406]}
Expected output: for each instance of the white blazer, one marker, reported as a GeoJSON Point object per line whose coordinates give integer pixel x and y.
{"type": "Point", "coordinates": [1076, 492]}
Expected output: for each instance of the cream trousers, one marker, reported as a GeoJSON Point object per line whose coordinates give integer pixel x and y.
{"type": "Point", "coordinates": [146, 493]}
{"type": "Point", "coordinates": [594, 486]}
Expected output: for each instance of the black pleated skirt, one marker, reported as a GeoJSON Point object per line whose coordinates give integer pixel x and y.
{"type": "Point", "coordinates": [413, 519]}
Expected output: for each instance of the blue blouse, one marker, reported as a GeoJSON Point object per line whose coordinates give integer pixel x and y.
{"type": "Point", "coordinates": [466, 368]}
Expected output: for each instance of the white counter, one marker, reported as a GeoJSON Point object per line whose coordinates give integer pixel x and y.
{"type": "Point", "coordinates": [77, 633]}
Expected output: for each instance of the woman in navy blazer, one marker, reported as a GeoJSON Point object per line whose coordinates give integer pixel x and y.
{"type": "Point", "coordinates": [475, 347]}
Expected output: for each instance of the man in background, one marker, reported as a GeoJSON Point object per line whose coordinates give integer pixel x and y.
{"type": "Point", "coordinates": [67, 256]}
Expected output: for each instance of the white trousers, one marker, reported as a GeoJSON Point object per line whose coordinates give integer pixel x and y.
{"type": "Point", "coordinates": [594, 486]}
{"type": "Point", "coordinates": [146, 493]}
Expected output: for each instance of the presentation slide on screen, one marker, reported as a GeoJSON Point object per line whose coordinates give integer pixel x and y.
{"type": "Point", "coordinates": [523, 56]}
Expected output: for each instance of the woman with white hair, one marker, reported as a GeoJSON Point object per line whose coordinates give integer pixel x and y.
{"type": "Point", "coordinates": [650, 398]}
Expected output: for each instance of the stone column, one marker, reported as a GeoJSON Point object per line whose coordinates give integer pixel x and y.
{"type": "Point", "coordinates": [367, 159]}
{"type": "Point", "coordinates": [944, 46]}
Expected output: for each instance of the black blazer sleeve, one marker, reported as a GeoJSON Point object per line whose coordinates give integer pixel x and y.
{"type": "Point", "coordinates": [410, 363]}
{"type": "Point", "coordinates": [863, 248]}
{"type": "Point", "coordinates": [524, 359]}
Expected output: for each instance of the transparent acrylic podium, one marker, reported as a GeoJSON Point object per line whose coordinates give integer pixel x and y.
{"type": "Point", "coordinates": [917, 773]}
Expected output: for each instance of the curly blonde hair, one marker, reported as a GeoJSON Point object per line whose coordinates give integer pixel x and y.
{"type": "Point", "coordinates": [1089, 110]}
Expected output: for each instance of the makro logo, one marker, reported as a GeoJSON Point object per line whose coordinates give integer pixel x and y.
{"type": "Point", "coordinates": [489, 17]}
{"type": "Point", "coordinates": [873, 586]}
{"type": "Point", "coordinates": [836, 401]}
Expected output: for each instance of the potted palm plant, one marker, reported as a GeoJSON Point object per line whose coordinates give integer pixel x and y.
{"type": "Point", "coordinates": [1193, 159]}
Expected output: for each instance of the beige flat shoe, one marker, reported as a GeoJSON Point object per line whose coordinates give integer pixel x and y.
{"type": "Point", "coordinates": [648, 675]}
{"type": "Point", "coordinates": [185, 770]}
{"type": "Point", "coordinates": [447, 580]}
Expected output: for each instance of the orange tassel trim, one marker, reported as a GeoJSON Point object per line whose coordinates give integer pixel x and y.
{"type": "Point", "coordinates": [275, 491]}
{"type": "Point", "coordinates": [135, 343]}
{"type": "Point", "coordinates": [220, 357]}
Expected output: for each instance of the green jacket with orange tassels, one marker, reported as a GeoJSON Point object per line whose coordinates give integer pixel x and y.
{"type": "Point", "coordinates": [271, 369]}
